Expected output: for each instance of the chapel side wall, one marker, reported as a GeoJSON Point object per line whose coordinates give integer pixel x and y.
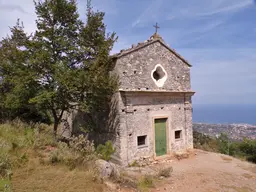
{"type": "Point", "coordinates": [108, 126]}
{"type": "Point", "coordinates": [140, 121]}
{"type": "Point", "coordinates": [134, 69]}
{"type": "Point", "coordinates": [117, 123]}
{"type": "Point", "coordinates": [189, 121]}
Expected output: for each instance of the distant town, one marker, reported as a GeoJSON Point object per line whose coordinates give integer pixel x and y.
{"type": "Point", "coordinates": [233, 131]}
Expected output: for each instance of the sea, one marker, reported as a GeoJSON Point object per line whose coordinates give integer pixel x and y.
{"type": "Point", "coordinates": [224, 113]}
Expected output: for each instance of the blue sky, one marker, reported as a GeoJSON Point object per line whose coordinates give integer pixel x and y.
{"type": "Point", "coordinates": [218, 37]}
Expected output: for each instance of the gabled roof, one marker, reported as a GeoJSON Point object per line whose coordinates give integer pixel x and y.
{"type": "Point", "coordinates": [154, 38]}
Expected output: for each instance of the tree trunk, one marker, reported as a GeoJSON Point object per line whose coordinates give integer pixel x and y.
{"type": "Point", "coordinates": [56, 122]}
{"type": "Point", "coordinates": [55, 128]}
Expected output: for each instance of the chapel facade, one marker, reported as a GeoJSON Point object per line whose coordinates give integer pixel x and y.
{"type": "Point", "coordinates": [153, 107]}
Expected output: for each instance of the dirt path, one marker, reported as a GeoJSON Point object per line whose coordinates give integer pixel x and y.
{"type": "Point", "coordinates": [210, 172]}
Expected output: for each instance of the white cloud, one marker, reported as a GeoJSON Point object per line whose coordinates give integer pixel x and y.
{"type": "Point", "coordinates": [150, 14]}
{"type": "Point", "coordinates": [198, 8]}
{"type": "Point", "coordinates": [228, 8]}
{"type": "Point", "coordinates": [222, 76]}
{"type": "Point", "coordinates": [110, 7]}
{"type": "Point", "coordinates": [209, 26]}
{"type": "Point", "coordinates": [188, 21]}
{"type": "Point", "coordinates": [12, 10]}
{"type": "Point", "coordinates": [7, 8]}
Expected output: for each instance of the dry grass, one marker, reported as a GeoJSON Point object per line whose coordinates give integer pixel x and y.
{"type": "Point", "coordinates": [28, 150]}
{"type": "Point", "coordinates": [39, 178]}
{"type": "Point", "coordinates": [165, 172]}
{"type": "Point", "coordinates": [145, 183]}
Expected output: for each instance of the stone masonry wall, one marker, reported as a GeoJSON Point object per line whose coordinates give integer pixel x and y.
{"type": "Point", "coordinates": [134, 69]}
{"type": "Point", "coordinates": [139, 116]}
{"type": "Point", "coordinates": [76, 122]}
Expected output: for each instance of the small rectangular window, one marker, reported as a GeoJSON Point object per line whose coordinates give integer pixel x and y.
{"type": "Point", "coordinates": [141, 140]}
{"type": "Point", "coordinates": [178, 134]}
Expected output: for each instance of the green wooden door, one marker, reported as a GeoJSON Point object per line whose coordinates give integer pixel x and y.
{"type": "Point", "coordinates": [160, 137]}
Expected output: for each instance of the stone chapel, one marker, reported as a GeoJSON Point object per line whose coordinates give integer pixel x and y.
{"type": "Point", "coordinates": [154, 101]}
{"type": "Point", "coordinates": [152, 110]}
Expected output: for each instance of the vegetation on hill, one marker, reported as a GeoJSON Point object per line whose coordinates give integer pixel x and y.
{"type": "Point", "coordinates": [245, 149]}
{"type": "Point", "coordinates": [63, 64]}
{"type": "Point", "coordinates": [29, 155]}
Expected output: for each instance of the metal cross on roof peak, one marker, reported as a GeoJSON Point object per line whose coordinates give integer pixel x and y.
{"type": "Point", "coordinates": [156, 26]}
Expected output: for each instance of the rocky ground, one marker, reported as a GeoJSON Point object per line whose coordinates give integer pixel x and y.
{"type": "Point", "coordinates": [199, 172]}
{"type": "Point", "coordinates": [206, 172]}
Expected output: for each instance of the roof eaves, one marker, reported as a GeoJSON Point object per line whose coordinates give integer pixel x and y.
{"type": "Point", "coordinates": [144, 44]}
{"type": "Point", "coordinates": [175, 53]}
{"type": "Point", "coordinates": [124, 52]}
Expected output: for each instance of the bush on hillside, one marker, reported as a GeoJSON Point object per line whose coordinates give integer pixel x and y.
{"type": "Point", "coordinates": [223, 144]}
{"type": "Point", "coordinates": [78, 152]}
{"type": "Point", "coordinates": [17, 140]}
{"type": "Point", "coordinates": [246, 148]}
{"type": "Point", "coordinates": [43, 136]}
{"type": "Point", "coordinates": [82, 145]}
{"type": "Point", "coordinates": [242, 149]}
{"type": "Point", "coordinates": [105, 151]}
{"type": "Point", "coordinates": [145, 182]}
{"type": "Point", "coordinates": [204, 142]}
{"type": "Point", "coordinates": [5, 166]}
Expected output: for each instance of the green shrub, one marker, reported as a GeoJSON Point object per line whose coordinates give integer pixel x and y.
{"type": "Point", "coordinates": [251, 158]}
{"type": "Point", "coordinates": [223, 144]}
{"type": "Point", "coordinates": [82, 145]}
{"type": "Point", "coordinates": [19, 159]}
{"type": "Point", "coordinates": [16, 141]}
{"type": "Point", "coordinates": [29, 136]}
{"type": "Point", "coordinates": [78, 152]}
{"type": "Point", "coordinates": [105, 151]}
{"type": "Point", "coordinates": [57, 155]}
{"type": "Point", "coordinates": [17, 134]}
{"type": "Point", "coordinates": [63, 154]}
{"type": "Point", "coordinates": [245, 149]}
{"type": "Point", "coordinates": [5, 166]}
{"type": "Point", "coordinates": [5, 185]}
{"type": "Point", "coordinates": [204, 142]}
{"type": "Point", "coordinates": [248, 146]}
{"type": "Point", "coordinates": [146, 182]}
{"type": "Point", "coordinates": [43, 137]}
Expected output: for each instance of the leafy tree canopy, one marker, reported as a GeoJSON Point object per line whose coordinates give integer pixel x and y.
{"type": "Point", "coordinates": [63, 64]}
